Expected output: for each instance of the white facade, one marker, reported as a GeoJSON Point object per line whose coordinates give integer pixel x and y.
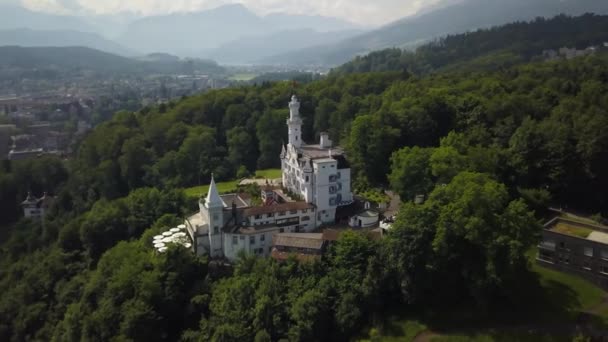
{"type": "Point", "coordinates": [226, 225]}
{"type": "Point", "coordinates": [319, 173]}
{"type": "Point", "coordinates": [35, 208]}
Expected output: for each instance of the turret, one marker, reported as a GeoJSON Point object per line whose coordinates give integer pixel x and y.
{"type": "Point", "coordinates": [214, 207]}
{"type": "Point", "coordinates": [294, 123]}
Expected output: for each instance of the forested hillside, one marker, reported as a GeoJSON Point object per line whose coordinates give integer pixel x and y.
{"type": "Point", "coordinates": [451, 18]}
{"type": "Point", "coordinates": [489, 49]}
{"type": "Point", "coordinates": [487, 147]}
{"type": "Point", "coordinates": [75, 58]}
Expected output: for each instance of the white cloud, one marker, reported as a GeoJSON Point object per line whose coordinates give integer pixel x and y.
{"type": "Point", "coordinates": [367, 12]}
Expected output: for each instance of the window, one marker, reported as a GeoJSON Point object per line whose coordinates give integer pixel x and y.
{"type": "Point", "coordinates": [270, 214]}
{"type": "Point", "coordinates": [282, 230]}
{"type": "Point", "coordinates": [261, 250]}
{"type": "Point", "coordinates": [588, 251]}
{"type": "Point", "coordinates": [252, 240]}
{"type": "Point", "coordinates": [562, 245]}
{"type": "Point", "coordinates": [604, 270]}
{"type": "Point", "coordinates": [215, 217]}
{"type": "Point", "coordinates": [604, 254]}
{"type": "Point", "coordinates": [216, 230]}
{"type": "Point", "coordinates": [587, 266]}
{"type": "Point", "coordinates": [564, 258]}
{"type": "Point", "coordinates": [257, 217]}
{"type": "Point", "coordinates": [263, 237]}
{"type": "Point", "coordinates": [307, 179]}
{"type": "Point", "coordinates": [545, 256]}
{"type": "Point", "coordinates": [332, 201]}
{"type": "Point", "coordinates": [338, 175]}
{"type": "Point", "coordinates": [242, 238]}
{"type": "Point", "coordinates": [305, 218]}
{"type": "Point", "coordinates": [235, 240]}
{"type": "Point", "coordinates": [550, 245]}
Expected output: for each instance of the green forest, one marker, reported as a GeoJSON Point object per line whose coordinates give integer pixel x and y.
{"type": "Point", "coordinates": [488, 49]}
{"type": "Point", "coordinates": [491, 149]}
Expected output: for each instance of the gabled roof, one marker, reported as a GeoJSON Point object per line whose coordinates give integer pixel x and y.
{"type": "Point", "coordinates": [299, 240]}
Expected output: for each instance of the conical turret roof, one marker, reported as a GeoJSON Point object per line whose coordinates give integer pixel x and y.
{"type": "Point", "coordinates": [213, 199]}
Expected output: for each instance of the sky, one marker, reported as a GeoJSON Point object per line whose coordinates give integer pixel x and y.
{"type": "Point", "coordinates": [363, 12]}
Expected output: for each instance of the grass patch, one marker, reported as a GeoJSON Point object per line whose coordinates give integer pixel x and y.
{"type": "Point", "coordinates": [375, 195]}
{"type": "Point", "coordinates": [396, 329]}
{"type": "Point", "coordinates": [222, 187]}
{"type": "Point", "coordinates": [570, 229]}
{"type": "Point", "coordinates": [269, 174]}
{"type": "Point", "coordinates": [243, 77]}
{"type": "Point", "coordinates": [547, 299]}
{"type": "Point", "coordinates": [586, 293]}
{"type": "Point", "coordinates": [500, 337]}
{"type": "Point", "coordinates": [229, 186]}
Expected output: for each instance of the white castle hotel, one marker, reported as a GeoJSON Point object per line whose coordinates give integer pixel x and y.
{"type": "Point", "coordinates": [318, 174]}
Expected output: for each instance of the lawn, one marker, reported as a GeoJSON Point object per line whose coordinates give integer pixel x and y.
{"type": "Point", "coordinates": [587, 294]}
{"type": "Point", "coordinates": [243, 77]}
{"type": "Point", "coordinates": [557, 302]}
{"type": "Point", "coordinates": [498, 336]}
{"type": "Point", "coordinates": [222, 187]}
{"type": "Point", "coordinates": [268, 174]}
{"type": "Point", "coordinates": [225, 187]}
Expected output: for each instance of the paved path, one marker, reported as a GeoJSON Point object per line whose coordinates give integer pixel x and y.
{"type": "Point", "coordinates": [394, 204]}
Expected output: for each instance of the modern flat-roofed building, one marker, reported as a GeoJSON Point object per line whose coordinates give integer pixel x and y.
{"type": "Point", "coordinates": [575, 247]}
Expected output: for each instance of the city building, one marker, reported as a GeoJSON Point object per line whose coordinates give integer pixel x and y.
{"type": "Point", "coordinates": [575, 247]}
{"type": "Point", "coordinates": [319, 174]}
{"type": "Point", "coordinates": [35, 208]}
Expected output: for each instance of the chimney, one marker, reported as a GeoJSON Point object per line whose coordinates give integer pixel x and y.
{"type": "Point", "coordinates": [325, 142]}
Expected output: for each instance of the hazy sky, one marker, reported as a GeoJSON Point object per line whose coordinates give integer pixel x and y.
{"type": "Point", "coordinates": [366, 12]}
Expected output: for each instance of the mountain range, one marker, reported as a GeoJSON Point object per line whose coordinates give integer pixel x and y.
{"type": "Point", "coordinates": [456, 18]}
{"type": "Point", "coordinates": [79, 59]}
{"type": "Point", "coordinates": [234, 34]}
{"type": "Point", "coordinates": [41, 38]}
{"type": "Point", "coordinates": [197, 33]}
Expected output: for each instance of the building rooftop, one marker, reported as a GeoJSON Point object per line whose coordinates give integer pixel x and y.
{"type": "Point", "coordinates": [325, 160]}
{"type": "Point", "coordinates": [277, 208]}
{"type": "Point", "coordinates": [579, 229]}
{"type": "Point", "coordinates": [228, 199]}
{"type": "Point", "coordinates": [318, 152]}
{"type": "Point", "coordinates": [299, 240]}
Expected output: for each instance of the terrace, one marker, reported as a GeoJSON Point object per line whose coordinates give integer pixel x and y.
{"type": "Point", "coordinates": [578, 229]}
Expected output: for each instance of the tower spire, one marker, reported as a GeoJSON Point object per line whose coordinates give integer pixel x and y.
{"type": "Point", "coordinates": [213, 196]}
